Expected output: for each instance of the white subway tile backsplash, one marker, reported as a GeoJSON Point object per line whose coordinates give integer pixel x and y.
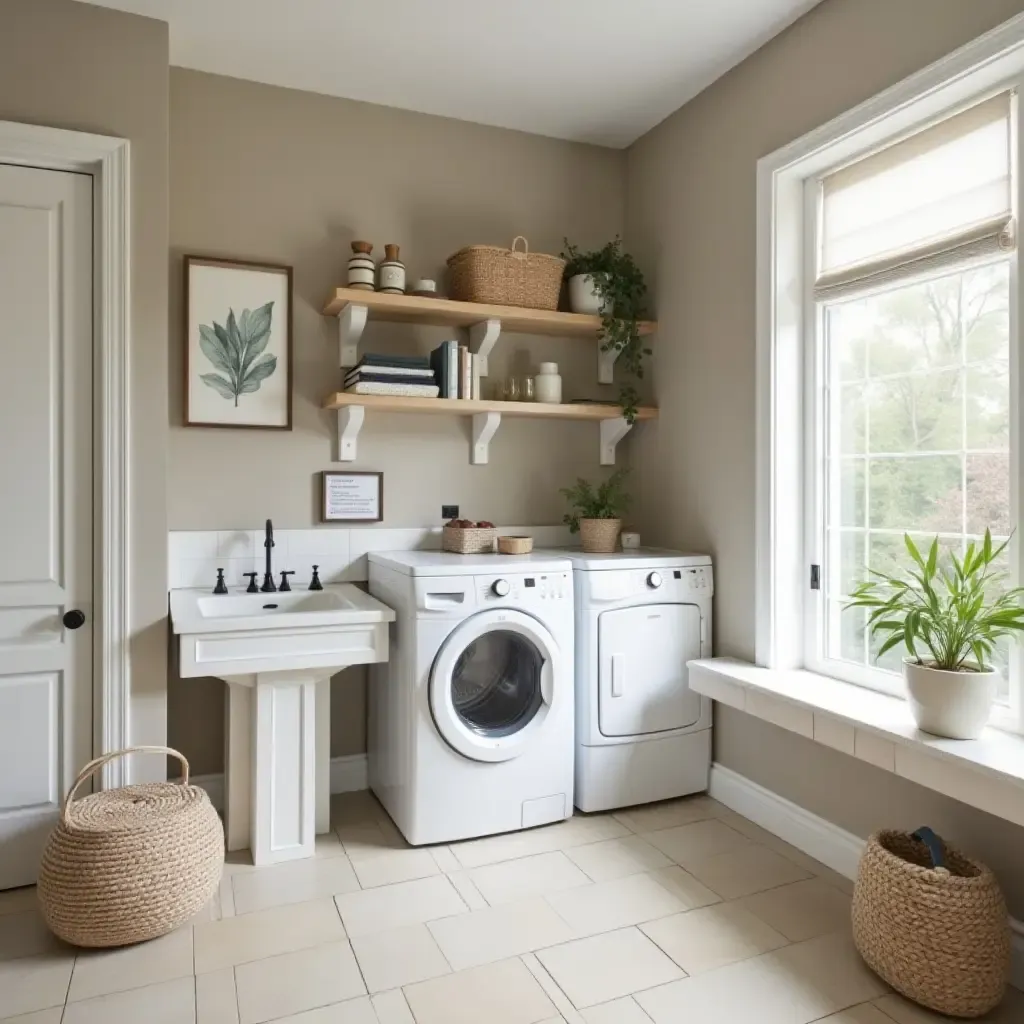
{"type": "Point", "coordinates": [193, 556]}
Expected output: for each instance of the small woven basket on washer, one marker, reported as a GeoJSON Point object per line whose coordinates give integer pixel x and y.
{"type": "Point", "coordinates": [932, 923]}
{"type": "Point", "coordinates": [505, 277]}
{"type": "Point", "coordinates": [130, 864]}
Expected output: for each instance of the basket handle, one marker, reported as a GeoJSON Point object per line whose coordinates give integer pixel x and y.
{"type": "Point", "coordinates": [526, 247]}
{"type": "Point", "coordinates": [925, 835]}
{"type": "Point", "coordinates": [97, 763]}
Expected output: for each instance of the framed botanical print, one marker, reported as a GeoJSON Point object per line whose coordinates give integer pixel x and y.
{"type": "Point", "coordinates": [238, 344]}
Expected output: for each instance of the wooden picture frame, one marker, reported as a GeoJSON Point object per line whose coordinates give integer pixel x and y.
{"type": "Point", "coordinates": [344, 497]}
{"type": "Point", "coordinates": [230, 305]}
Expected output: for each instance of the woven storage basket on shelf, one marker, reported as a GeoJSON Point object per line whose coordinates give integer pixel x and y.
{"type": "Point", "coordinates": [505, 277]}
{"type": "Point", "coordinates": [940, 936]}
{"type": "Point", "coordinates": [474, 541]}
{"type": "Point", "coordinates": [130, 864]}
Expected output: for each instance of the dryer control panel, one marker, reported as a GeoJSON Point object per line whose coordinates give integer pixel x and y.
{"type": "Point", "coordinates": [665, 583]}
{"type": "Point", "coordinates": [521, 588]}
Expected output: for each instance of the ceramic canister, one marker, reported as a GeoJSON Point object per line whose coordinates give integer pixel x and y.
{"type": "Point", "coordinates": [361, 268]}
{"type": "Point", "coordinates": [548, 384]}
{"type": "Point", "coordinates": [391, 272]}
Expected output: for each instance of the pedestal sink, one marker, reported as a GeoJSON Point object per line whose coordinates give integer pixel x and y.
{"type": "Point", "coordinates": [277, 653]}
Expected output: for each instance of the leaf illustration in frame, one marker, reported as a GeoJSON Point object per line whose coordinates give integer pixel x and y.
{"type": "Point", "coordinates": [236, 349]}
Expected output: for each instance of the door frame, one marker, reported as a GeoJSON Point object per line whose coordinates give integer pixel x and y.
{"type": "Point", "coordinates": [106, 159]}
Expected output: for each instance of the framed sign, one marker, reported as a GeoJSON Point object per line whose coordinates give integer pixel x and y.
{"type": "Point", "coordinates": [238, 344]}
{"type": "Point", "coordinates": [352, 497]}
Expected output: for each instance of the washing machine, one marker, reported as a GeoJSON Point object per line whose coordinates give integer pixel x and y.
{"type": "Point", "coordinates": [471, 721]}
{"type": "Point", "coordinates": [641, 733]}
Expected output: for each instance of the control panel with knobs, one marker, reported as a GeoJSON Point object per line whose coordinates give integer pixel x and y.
{"type": "Point", "coordinates": [501, 588]}
{"type": "Point", "coordinates": [654, 580]}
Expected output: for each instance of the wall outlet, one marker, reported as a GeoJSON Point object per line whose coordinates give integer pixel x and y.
{"type": "Point", "coordinates": [449, 511]}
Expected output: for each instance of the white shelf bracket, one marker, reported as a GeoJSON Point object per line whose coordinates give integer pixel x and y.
{"type": "Point", "coordinates": [482, 338]}
{"type": "Point", "coordinates": [606, 363]}
{"type": "Point", "coordinates": [351, 321]}
{"type": "Point", "coordinates": [485, 426]}
{"type": "Point", "coordinates": [612, 432]}
{"type": "Point", "coordinates": [350, 422]}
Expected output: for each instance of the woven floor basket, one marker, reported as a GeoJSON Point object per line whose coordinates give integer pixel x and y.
{"type": "Point", "coordinates": [505, 277]}
{"type": "Point", "coordinates": [129, 864]}
{"type": "Point", "coordinates": [940, 937]}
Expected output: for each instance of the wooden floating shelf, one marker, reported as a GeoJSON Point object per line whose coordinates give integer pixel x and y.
{"type": "Point", "coordinates": [483, 323]}
{"type": "Point", "coordinates": [414, 309]}
{"type": "Point", "coordinates": [486, 416]}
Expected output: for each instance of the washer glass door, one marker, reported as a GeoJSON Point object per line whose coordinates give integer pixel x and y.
{"type": "Point", "coordinates": [492, 684]}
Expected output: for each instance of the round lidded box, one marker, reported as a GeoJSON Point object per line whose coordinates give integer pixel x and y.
{"type": "Point", "coordinates": [130, 864]}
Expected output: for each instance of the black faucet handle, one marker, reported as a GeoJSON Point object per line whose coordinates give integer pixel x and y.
{"type": "Point", "coordinates": [285, 573]}
{"type": "Point", "coordinates": [221, 587]}
{"type": "Point", "coordinates": [314, 583]}
{"type": "Point", "coordinates": [252, 588]}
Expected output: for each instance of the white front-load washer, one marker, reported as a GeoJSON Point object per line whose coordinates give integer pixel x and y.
{"type": "Point", "coordinates": [641, 733]}
{"type": "Point", "coordinates": [471, 719]}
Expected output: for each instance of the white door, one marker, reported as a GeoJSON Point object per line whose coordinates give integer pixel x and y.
{"type": "Point", "coordinates": [643, 685]}
{"type": "Point", "coordinates": [492, 684]}
{"type": "Point", "coordinates": [46, 500]}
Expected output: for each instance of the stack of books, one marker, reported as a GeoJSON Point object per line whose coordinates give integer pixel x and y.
{"type": "Point", "coordinates": [456, 370]}
{"type": "Point", "coordinates": [408, 376]}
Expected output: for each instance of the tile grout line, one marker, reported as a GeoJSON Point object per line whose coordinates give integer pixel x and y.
{"type": "Point", "coordinates": [529, 963]}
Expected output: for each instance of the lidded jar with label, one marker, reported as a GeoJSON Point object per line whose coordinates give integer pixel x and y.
{"type": "Point", "coordinates": [548, 384]}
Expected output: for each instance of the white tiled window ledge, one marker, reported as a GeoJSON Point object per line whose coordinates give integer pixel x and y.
{"type": "Point", "coordinates": [987, 773]}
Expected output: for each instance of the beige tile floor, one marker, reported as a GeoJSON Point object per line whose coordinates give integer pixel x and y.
{"type": "Point", "coordinates": [680, 912]}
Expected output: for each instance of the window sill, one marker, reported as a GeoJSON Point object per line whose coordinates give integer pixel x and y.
{"type": "Point", "coordinates": [987, 773]}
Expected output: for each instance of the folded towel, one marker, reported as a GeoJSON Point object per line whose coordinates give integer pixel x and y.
{"type": "Point", "coordinates": [404, 390]}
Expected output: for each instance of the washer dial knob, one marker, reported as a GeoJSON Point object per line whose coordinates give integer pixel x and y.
{"type": "Point", "coordinates": [500, 588]}
{"type": "Point", "coordinates": [654, 580]}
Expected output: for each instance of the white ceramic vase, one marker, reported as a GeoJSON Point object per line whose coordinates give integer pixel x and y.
{"type": "Point", "coordinates": [583, 296]}
{"type": "Point", "coordinates": [952, 704]}
{"type": "Point", "coordinates": [547, 385]}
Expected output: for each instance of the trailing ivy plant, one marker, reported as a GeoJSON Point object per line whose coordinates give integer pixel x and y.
{"type": "Point", "coordinates": [608, 500]}
{"type": "Point", "coordinates": [621, 286]}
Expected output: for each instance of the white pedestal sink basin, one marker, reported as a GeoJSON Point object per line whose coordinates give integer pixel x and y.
{"type": "Point", "coordinates": [277, 653]}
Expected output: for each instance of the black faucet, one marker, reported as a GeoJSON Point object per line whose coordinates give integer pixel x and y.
{"type": "Point", "coordinates": [268, 577]}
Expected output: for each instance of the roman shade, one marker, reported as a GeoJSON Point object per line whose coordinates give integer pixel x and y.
{"type": "Point", "coordinates": [933, 199]}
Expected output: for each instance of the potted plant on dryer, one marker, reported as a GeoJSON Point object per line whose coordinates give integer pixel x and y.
{"type": "Point", "coordinates": [596, 512]}
{"type": "Point", "coordinates": [949, 617]}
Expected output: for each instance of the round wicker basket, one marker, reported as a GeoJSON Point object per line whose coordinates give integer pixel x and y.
{"type": "Point", "coordinates": [940, 936]}
{"type": "Point", "coordinates": [130, 864]}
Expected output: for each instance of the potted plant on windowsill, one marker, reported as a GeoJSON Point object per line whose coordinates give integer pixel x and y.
{"type": "Point", "coordinates": [606, 282]}
{"type": "Point", "coordinates": [597, 511]}
{"type": "Point", "coordinates": [949, 618]}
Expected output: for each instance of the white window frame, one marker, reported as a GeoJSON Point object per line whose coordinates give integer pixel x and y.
{"type": "Point", "coordinates": [786, 224]}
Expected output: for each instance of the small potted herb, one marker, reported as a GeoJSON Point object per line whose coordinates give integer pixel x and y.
{"type": "Point", "coordinates": [949, 618]}
{"type": "Point", "coordinates": [596, 512]}
{"type": "Point", "coordinates": [606, 282]}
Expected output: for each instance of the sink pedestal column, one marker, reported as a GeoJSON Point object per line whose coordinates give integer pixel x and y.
{"type": "Point", "coordinates": [277, 777]}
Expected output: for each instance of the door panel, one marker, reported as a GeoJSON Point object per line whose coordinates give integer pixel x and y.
{"type": "Point", "coordinates": [643, 653]}
{"type": "Point", "coordinates": [46, 429]}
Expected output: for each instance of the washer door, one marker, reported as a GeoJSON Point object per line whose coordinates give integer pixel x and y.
{"type": "Point", "coordinates": [492, 684]}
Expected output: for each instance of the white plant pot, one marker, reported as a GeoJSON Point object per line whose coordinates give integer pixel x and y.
{"type": "Point", "coordinates": [583, 296]}
{"type": "Point", "coordinates": [952, 704]}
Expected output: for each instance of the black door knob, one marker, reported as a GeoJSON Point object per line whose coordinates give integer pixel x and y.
{"type": "Point", "coordinates": [74, 619]}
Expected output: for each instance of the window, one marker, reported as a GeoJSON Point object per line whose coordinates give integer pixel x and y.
{"type": "Point", "coordinates": [888, 364]}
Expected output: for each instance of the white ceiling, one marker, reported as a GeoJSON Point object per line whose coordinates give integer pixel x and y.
{"type": "Point", "coordinates": [601, 71]}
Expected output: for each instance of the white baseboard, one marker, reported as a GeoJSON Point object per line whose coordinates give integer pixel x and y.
{"type": "Point", "coordinates": [818, 838]}
{"type": "Point", "coordinates": [348, 774]}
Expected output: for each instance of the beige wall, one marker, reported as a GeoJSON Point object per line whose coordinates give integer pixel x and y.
{"type": "Point", "coordinates": [691, 222]}
{"type": "Point", "coordinates": [259, 172]}
{"type": "Point", "coordinates": [68, 65]}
